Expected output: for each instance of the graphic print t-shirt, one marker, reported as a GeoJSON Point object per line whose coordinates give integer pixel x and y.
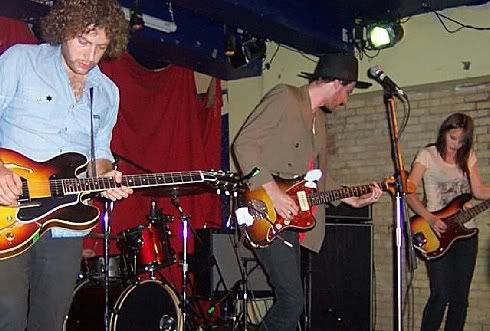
{"type": "Point", "coordinates": [443, 181]}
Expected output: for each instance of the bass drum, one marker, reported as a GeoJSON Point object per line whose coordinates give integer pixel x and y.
{"type": "Point", "coordinates": [147, 305]}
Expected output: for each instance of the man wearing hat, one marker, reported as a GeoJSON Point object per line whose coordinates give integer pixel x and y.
{"type": "Point", "coordinates": [285, 136]}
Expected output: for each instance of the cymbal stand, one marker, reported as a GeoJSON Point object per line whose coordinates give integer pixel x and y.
{"type": "Point", "coordinates": [108, 205]}
{"type": "Point", "coordinates": [185, 266]}
{"type": "Point", "coordinates": [244, 281]}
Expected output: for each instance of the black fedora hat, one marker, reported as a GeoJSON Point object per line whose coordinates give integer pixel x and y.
{"type": "Point", "coordinates": [341, 66]}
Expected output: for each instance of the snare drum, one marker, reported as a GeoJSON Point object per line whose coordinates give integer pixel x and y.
{"type": "Point", "coordinates": [93, 267]}
{"type": "Point", "coordinates": [146, 305]}
{"type": "Point", "coordinates": [147, 247]}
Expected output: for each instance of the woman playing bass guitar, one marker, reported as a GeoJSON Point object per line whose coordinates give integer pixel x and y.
{"type": "Point", "coordinates": [448, 168]}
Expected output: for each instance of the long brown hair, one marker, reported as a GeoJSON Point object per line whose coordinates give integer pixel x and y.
{"type": "Point", "coordinates": [457, 121]}
{"type": "Point", "coordinates": [70, 18]}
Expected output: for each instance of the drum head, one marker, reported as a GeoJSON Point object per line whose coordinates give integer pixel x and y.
{"type": "Point", "coordinates": [88, 305]}
{"type": "Point", "coordinates": [149, 305]}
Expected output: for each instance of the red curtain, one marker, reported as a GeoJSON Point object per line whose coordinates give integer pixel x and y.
{"type": "Point", "coordinates": [14, 32]}
{"type": "Point", "coordinates": [162, 126]}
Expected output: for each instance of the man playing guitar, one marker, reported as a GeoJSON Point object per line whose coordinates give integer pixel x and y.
{"type": "Point", "coordinates": [285, 136]}
{"type": "Point", "coordinates": [54, 99]}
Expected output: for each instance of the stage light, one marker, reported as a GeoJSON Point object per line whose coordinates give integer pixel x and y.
{"type": "Point", "coordinates": [254, 49]}
{"type": "Point", "coordinates": [230, 45]}
{"type": "Point", "coordinates": [244, 49]}
{"type": "Point", "coordinates": [383, 34]}
{"type": "Point", "coordinates": [136, 17]}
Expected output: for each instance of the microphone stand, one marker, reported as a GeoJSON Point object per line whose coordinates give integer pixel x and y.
{"type": "Point", "coordinates": [108, 204]}
{"type": "Point", "coordinates": [401, 189]}
{"type": "Point", "coordinates": [185, 267]}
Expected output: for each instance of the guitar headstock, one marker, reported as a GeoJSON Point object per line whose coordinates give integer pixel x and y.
{"type": "Point", "coordinates": [226, 182]}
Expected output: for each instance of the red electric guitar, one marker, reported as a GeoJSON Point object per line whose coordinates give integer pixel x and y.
{"type": "Point", "coordinates": [267, 224]}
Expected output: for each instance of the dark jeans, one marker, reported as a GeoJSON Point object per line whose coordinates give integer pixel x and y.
{"type": "Point", "coordinates": [282, 265]}
{"type": "Point", "coordinates": [36, 287]}
{"type": "Point", "coordinates": [450, 278]}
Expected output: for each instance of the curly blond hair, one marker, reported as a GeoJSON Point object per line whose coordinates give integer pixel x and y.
{"type": "Point", "coordinates": [70, 18]}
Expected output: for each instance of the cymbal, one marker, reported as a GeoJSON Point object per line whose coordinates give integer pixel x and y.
{"type": "Point", "coordinates": [170, 191]}
{"type": "Point", "coordinates": [96, 235]}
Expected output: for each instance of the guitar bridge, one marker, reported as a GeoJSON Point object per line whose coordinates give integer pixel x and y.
{"type": "Point", "coordinates": [257, 209]}
{"type": "Point", "coordinates": [419, 239]}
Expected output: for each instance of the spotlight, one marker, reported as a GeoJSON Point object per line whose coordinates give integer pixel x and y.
{"type": "Point", "coordinates": [383, 35]}
{"type": "Point", "coordinates": [254, 49]}
{"type": "Point", "coordinates": [136, 17]}
{"type": "Point", "coordinates": [241, 51]}
{"type": "Point", "coordinates": [230, 45]}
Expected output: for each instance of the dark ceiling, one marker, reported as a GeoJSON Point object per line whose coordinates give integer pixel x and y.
{"type": "Point", "coordinates": [311, 26]}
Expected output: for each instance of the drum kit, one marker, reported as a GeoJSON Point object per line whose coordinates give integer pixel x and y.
{"type": "Point", "coordinates": [134, 302]}
{"type": "Point", "coordinates": [131, 293]}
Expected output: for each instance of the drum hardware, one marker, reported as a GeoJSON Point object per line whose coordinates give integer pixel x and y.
{"type": "Point", "coordinates": [96, 235]}
{"type": "Point", "coordinates": [108, 205]}
{"type": "Point", "coordinates": [184, 218]}
{"type": "Point", "coordinates": [147, 247]}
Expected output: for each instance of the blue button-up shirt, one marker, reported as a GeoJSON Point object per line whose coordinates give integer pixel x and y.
{"type": "Point", "coordinates": [39, 115]}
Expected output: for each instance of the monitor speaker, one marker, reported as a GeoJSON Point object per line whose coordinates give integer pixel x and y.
{"type": "Point", "coordinates": [339, 278]}
{"type": "Point", "coordinates": [219, 261]}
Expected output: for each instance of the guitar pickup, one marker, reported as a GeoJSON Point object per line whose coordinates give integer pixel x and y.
{"type": "Point", "coordinates": [303, 201]}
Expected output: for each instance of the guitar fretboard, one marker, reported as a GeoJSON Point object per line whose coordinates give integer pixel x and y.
{"type": "Point", "coordinates": [317, 198]}
{"type": "Point", "coordinates": [96, 184]}
{"type": "Point", "coordinates": [466, 215]}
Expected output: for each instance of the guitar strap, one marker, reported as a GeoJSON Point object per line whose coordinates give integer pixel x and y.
{"type": "Point", "coordinates": [92, 170]}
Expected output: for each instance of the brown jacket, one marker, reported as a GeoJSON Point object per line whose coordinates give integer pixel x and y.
{"type": "Point", "coordinates": [278, 138]}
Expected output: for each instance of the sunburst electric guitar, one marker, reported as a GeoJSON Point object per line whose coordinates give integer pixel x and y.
{"type": "Point", "coordinates": [53, 197]}
{"type": "Point", "coordinates": [432, 246]}
{"type": "Point", "coordinates": [267, 224]}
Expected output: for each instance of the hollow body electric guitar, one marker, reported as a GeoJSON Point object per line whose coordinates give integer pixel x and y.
{"type": "Point", "coordinates": [53, 197]}
{"type": "Point", "coordinates": [267, 224]}
{"type": "Point", "coordinates": [429, 244]}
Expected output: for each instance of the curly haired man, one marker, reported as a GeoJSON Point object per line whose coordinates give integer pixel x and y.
{"type": "Point", "coordinates": [54, 100]}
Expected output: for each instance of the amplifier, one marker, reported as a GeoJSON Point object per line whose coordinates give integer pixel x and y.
{"type": "Point", "coordinates": [219, 261]}
{"type": "Point", "coordinates": [344, 213]}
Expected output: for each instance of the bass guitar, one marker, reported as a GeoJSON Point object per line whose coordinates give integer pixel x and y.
{"type": "Point", "coordinates": [53, 197]}
{"type": "Point", "coordinates": [267, 224]}
{"type": "Point", "coordinates": [432, 246]}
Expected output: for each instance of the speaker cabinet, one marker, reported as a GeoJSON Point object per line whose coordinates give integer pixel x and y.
{"type": "Point", "coordinates": [339, 282]}
{"type": "Point", "coordinates": [343, 213]}
{"type": "Point", "coordinates": [219, 261]}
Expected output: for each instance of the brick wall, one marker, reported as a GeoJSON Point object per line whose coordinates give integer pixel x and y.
{"type": "Point", "coordinates": [360, 152]}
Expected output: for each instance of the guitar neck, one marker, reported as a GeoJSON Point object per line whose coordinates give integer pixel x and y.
{"type": "Point", "coordinates": [467, 214]}
{"type": "Point", "coordinates": [97, 184]}
{"type": "Point", "coordinates": [318, 198]}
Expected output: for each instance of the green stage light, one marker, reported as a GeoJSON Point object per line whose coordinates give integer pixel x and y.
{"type": "Point", "coordinates": [383, 35]}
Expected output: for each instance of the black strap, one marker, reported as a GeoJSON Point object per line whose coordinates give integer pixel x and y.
{"type": "Point", "coordinates": [93, 169]}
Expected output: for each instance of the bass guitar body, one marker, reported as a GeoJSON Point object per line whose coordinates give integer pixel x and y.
{"type": "Point", "coordinates": [428, 243]}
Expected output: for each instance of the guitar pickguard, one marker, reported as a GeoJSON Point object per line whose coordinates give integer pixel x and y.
{"type": "Point", "coordinates": [44, 207]}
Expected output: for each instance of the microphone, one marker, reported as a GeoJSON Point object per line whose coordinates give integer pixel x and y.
{"type": "Point", "coordinates": [378, 75]}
